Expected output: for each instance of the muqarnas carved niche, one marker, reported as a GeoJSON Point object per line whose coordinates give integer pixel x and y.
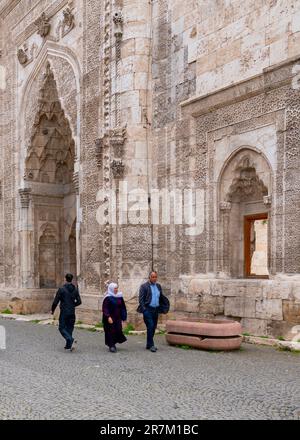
{"type": "Point", "coordinates": [246, 184]}
{"type": "Point", "coordinates": [50, 157]}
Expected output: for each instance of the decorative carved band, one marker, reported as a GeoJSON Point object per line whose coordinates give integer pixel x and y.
{"type": "Point", "coordinates": [118, 136]}
{"type": "Point", "coordinates": [76, 181]}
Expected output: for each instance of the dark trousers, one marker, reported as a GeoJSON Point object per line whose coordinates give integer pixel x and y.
{"type": "Point", "coordinates": [150, 319]}
{"type": "Point", "coordinates": [66, 327]}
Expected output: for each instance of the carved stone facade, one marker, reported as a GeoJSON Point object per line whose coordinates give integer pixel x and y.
{"type": "Point", "coordinates": [107, 103]}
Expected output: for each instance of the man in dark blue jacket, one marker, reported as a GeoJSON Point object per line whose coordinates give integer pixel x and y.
{"type": "Point", "coordinates": [151, 303]}
{"type": "Point", "coordinates": [69, 298]}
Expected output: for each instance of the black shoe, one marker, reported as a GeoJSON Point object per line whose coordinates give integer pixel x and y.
{"type": "Point", "coordinates": [153, 349]}
{"type": "Point", "coordinates": [112, 349]}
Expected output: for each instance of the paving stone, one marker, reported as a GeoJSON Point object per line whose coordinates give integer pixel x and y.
{"type": "Point", "coordinates": [39, 380]}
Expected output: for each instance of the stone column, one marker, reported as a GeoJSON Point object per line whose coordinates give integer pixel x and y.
{"type": "Point", "coordinates": [26, 230]}
{"type": "Point", "coordinates": [225, 208]}
{"type": "Point", "coordinates": [271, 245]}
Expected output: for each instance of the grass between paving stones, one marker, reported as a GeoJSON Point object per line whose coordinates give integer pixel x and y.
{"type": "Point", "coordinates": [184, 347]}
{"type": "Point", "coordinates": [35, 321]}
{"type": "Point", "coordinates": [129, 328]}
{"type": "Point", "coordinates": [7, 312]}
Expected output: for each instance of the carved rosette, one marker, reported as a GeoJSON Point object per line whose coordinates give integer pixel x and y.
{"type": "Point", "coordinates": [43, 25]}
{"type": "Point", "coordinates": [25, 197]}
{"type": "Point", "coordinates": [117, 168]}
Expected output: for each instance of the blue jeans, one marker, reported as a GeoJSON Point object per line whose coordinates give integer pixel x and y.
{"type": "Point", "coordinates": [66, 327]}
{"type": "Point", "coordinates": [150, 319]}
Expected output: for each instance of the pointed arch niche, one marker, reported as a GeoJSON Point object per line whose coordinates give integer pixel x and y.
{"type": "Point", "coordinates": [48, 177]}
{"type": "Point", "coordinates": [245, 188]}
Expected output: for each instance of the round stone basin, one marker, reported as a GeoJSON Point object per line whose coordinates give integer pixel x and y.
{"type": "Point", "coordinates": [208, 334]}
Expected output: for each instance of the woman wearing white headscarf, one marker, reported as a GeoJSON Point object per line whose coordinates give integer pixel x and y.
{"type": "Point", "coordinates": [114, 312]}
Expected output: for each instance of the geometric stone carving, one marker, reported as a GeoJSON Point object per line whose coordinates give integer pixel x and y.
{"type": "Point", "coordinates": [117, 168]}
{"type": "Point", "coordinates": [99, 143]}
{"type": "Point", "coordinates": [50, 156]}
{"type": "Point", "coordinates": [118, 22]}
{"type": "Point", "coordinates": [25, 197]}
{"type": "Point", "coordinates": [117, 136]}
{"type": "Point", "coordinates": [43, 25]}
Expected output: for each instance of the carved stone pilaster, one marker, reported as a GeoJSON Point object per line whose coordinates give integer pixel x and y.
{"type": "Point", "coordinates": [118, 169]}
{"type": "Point", "coordinates": [43, 25]}
{"type": "Point", "coordinates": [25, 197]}
{"type": "Point", "coordinates": [225, 208]}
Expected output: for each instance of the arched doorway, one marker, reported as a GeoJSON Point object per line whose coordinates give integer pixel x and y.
{"type": "Point", "coordinates": [244, 220]}
{"type": "Point", "coordinates": [49, 169]}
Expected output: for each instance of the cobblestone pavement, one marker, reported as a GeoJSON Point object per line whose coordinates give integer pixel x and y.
{"type": "Point", "coordinates": [39, 380]}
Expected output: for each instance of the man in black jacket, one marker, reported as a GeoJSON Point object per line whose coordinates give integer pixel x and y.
{"type": "Point", "coordinates": [151, 303]}
{"type": "Point", "coordinates": [69, 298]}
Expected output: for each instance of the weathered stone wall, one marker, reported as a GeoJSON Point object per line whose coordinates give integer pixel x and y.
{"type": "Point", "coordinates": [160, 95]}
{"type": "Point", "coordinates": [200, 48]}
